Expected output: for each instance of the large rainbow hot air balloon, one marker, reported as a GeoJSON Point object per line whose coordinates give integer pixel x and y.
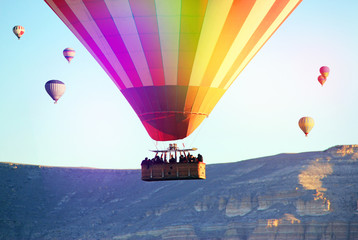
{"type": "Point", "coordinates": [173, 59]}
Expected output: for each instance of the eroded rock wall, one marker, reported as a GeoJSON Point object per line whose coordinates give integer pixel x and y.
{"type": "Point", "coordinates": [306, 196]}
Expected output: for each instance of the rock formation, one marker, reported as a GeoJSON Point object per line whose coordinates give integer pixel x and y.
{"type": "Point", "coordinates": [304, 196]}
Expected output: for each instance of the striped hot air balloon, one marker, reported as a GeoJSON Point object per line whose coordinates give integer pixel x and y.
{"type": "Point", "coordinates": [55, 89]}
{"type": "Point", "coordinates": [18, 31]}
{"type": "Point", "coordinates": [306, 124]}
{"type": "Point", "coordinates": [173, 59]}
{"type": "Point", "coordinates": [69, 54]}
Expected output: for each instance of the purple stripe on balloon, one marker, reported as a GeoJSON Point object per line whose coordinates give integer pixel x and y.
{"type": "Point", "coordinates": [105, 23]}
{"type": "Point", "coordinates": [67, 12]}
{"type": "Point", "coordinates": [147, 26]}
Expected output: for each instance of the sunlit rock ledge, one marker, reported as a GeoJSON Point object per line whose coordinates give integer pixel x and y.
{"type": "Point", "coordinates": [350, 151]}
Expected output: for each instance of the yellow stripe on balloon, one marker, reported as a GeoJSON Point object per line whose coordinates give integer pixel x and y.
{"type": "Point", "coordinates": [234, 21]}
{"type": "Point", "coordinates": [199, 98]}
{"type": "Point", "coordinates": [168, 17]}
{"type": "Point", "coordinates": [215, 16]}
{"type": "Point", "coordinates": [237, 67]}
{"type": "Point", "coordinates": [192, 15]}
{"type": "Point", "coordinates": [309, 125]}
{"type": "Point", "coordinates": [211, 99]}
{"type": "Point", "coordinates": [254, 19]}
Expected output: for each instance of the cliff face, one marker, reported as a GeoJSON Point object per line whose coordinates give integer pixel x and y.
{"type": "Point", "coordinates": [304, 196]}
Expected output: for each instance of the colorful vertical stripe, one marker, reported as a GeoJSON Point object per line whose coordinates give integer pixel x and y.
{"type": "Point", "coordinates": [173, 59]}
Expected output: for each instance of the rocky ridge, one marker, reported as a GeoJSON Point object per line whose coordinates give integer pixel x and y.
{"type": "Point", "coordinates": [306, 196]}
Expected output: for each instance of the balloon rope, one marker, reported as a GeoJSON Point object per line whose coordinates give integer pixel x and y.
{"type": "Point", "coordinates": [197, 133]}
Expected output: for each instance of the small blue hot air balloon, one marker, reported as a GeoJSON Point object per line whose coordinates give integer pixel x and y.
{"type": "Point", "coordinates": [55, 89]}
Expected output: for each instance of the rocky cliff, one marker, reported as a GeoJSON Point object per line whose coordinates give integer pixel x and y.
{"type": "Point", "coordinates": [300, 196]}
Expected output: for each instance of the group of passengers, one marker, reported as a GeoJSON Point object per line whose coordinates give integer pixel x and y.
{"type": "Point", "coordinates": [182, 159]}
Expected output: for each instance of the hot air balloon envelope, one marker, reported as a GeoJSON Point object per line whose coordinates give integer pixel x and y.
{"type": "Point", "coordinates": [69, 54]}
{"type": "Point", "coordinates": [321, 79]}
{"type": "Point", "coordinates": [306, 124]}
{"type": "Point", "coordinates": [18, 31]}
{"type": "Point", "coordinates": [55, 89]}
{"type": "Point", "coordinates": [324, 71]}
{"type": "Point", "coordinates": [173, 60]}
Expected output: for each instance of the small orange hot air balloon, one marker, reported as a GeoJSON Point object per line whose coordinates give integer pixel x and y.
{"type": "Point", "coordinates": [306, 124]}
{"type": "Point", "coordinates": [321, 79]}
{"type": "Point", "coordinates": [324, 71]}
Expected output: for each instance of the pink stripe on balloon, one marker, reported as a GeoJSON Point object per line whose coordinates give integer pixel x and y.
{"type": "Point", "coordinates": [105, 23]}
{"type": "Point", "coordinates": [147, 26]}
{"type": "Point", "coordinates": [67, 12]}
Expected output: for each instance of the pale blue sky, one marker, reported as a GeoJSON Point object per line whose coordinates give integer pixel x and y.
{"type": "Point", "coordinates": [94, 126]}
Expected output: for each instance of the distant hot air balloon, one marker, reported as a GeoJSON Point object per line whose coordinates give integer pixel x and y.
{"type": "Point", "coordinates": [321, 79]}
{"type": "Point", "coordinates": [69, 54]}
{"type": "Point", "coordinates": [324, 71]}
{"type": "Point", "coordinates": [173, 60]}
{"type": "Point", "coordinates": [55, 89]}
{"type": "Point", "coordinates": [306, 124]}
{"type": "Point", "coordinates": [18, 31]}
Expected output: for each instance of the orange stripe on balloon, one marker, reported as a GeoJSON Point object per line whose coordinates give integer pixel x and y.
{"type": "Point", "coordinates": [235, 20]}
{"type": "Point", "coordinates": [190, 97]}
{"type": "Point", "coordinates": [271, 16]}
{"type": "Point", "coordinates": [193, 123]}
{"type": "Point", "coordinates": [206, 100]}
{"type": "Point", "coordinates": [199, 98]}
